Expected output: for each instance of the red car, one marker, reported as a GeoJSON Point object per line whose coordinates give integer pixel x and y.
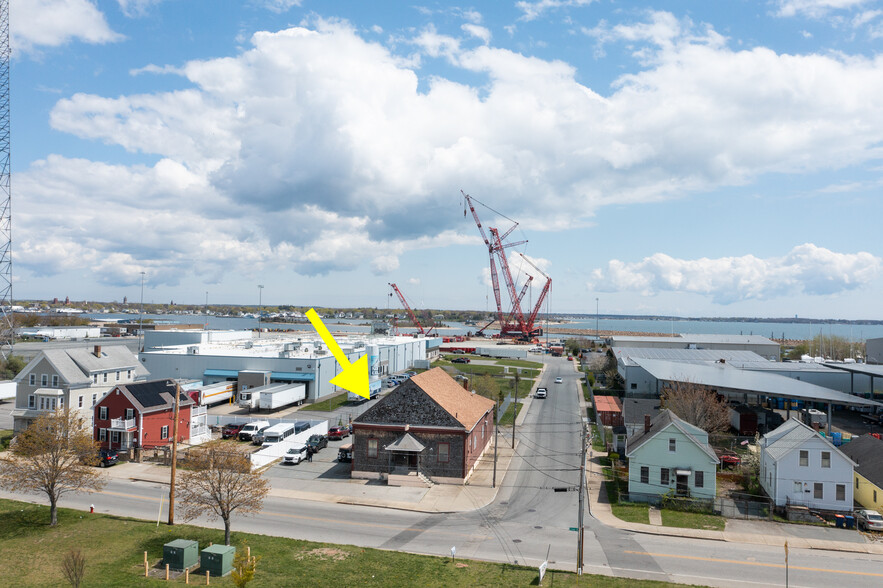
{"type": "Point", "coordinates": [231, 431]}
{"type": "Point", "coordinates": [338, 432]}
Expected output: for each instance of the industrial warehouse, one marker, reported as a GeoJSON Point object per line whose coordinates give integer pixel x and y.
{"type": "Point", "coordinates": [286, 358]}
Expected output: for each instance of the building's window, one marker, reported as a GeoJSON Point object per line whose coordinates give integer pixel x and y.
{"type": "Point", "coordinates": [700, 480]}
{"type": "Point", "coordinates": [634, 386]}
{"type": "Point", "coordinates": [798, 486]}
{"type": "Point", "coordinates": [54, 381]}
{"type": "Point", "coordinates": [42, 403]}
{"type": "Point", "coordinates": [32, 401]}
{"type": "Point", "coordinates": [645, 475]}
{"type": "Point", "coordinates": [60, 402]}
{"type": "Point", "coordinates": [118, 376]}
{"type": "Point", "coordinates": [129, 374]}
{"type": "Point", "coordinates": [826, 459]}
{"type": "Point", "coordinates": [44, 379]}
{"type": "Point", "coordinates": [130, 413]}
{"type": "Point", "coordinates": [444, 452]}
{"type": "Point", "coordinates": [114, 436]}
{"type": "Point", "coordinates": [856, 483]}
{"type": "Point", "coordinates": [164, 434]}
{"type": "Point", "coordinates": [875, 496]}
{"type": "Point", "coordinates": [102, 413]}
{"type": "Point", "coordinates": [372, 447]}
{"type": "Point", "coordinates": [672, 445]}
{"type": "Point", "coordinates": [80, 402]}
{"type": "Point", "coordinates": [105, 376]}
{"type": "Point", "coordinates": [841, 492]}
{"type": "Point", "coordinates": [32, 379]}
{"type": "Point", "coordinates": [94, 378]}
{"type": "Point", "coordinates": [94, 399]}
{"type": "Point", "coordinates": [804, 458]}
{"type": "Point", "coordinates": [102, 434]}
{"type": "Point", "coordinates": [663, 476]}
{"type": "Point", "coordinates": [818, 491]}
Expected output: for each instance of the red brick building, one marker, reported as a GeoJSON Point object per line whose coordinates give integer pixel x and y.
{"type": "Point", "coordinates": [141, 415]}
{"type": "Point", "coordinates": [429, 427]}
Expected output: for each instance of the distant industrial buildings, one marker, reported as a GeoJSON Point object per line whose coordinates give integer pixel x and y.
{"type": "Point", "coordinates": [766, 348]}
{"type": "Point", "coordinates": [217, 356]}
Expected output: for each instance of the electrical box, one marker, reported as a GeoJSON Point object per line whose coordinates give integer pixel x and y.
{"type": "Point", "coordinates": [217, 559]}
{"type": "Point", "coordinates": [181, 554]}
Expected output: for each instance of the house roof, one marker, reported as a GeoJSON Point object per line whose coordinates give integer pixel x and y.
{"type": "Point", "coordinates": [76, 364]}
{"type": "Point", "coordinates": [867, 452]}
{"type": "Point", "coordinates": [792, 435]}
{"type": "Point", "coordinates": [466, 407]}
{"type": "Point", "coordinates": [153, 396]}
{"type": "Point", "coordinates": [607, 404]}
{"type": "Point", "coordinates": [405, 443]}
{"type": "Point", "coordinates": [725, 377]}
{"type": "Point", "coordinates": [66, 367]}
{"type": "Point", "coordinates": [661, 422]}
{"type": "Point", "coordinates": [634, 409]}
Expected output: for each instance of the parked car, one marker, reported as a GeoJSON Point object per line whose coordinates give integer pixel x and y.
{"type": "Point", "coordinates": [541, 393]}
{"type": "Point", "coordinates": [231, 430]}
{"type": "Point", "coordinates": [869, 520]}
{"type": "Point", "coordinates": [107, 457]}
{"type": "Point", "coordinates": [317, 442]}
{"type": "Point", "coordinates": [410, 374]}
{"type": "Point", "coordinates": [338, 432]}
{"type": "Point", "coordinates": [258, 438]}
{"type": "Point", "coordinates": [345, 452]}
{"type": "Point", "coordinates": [569, 358]}
{"type": "Point", "coordinates": [729, 458]}
{"type": "Point", "coordinates": [295, 455]}
{"type": "Point", "coordinates": [460, 360]}
{"type": "Point", "coordinates": [559, 379]}
{"type": "Point", "coordinates": [392, 383]}
{"type": "Point", "coordinates": [250, 429]}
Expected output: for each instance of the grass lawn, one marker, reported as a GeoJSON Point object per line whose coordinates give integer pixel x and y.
{"type": "Point", "coordinates": [115, 548]}
{"type": "Point", "coordinates": [330, 404]}
{"type": "Point", "coordinates": [509, 415]}
{"type": "Point", "coordinates": [632, 513]}
{"type": "Point", "coordinates": [520, 363]}
{"type": "Point", "coordinates": [471, 369]}
{"type": "Point", "coordinates": [524, 386]}
{"type": "Point", "coordinates": [5, 438]}
{"type": "Point", "coordinates": [523, 373]}
{"type": "Point", "coordinates": [692, 520]}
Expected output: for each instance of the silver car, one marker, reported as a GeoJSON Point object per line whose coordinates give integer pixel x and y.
{"type": "Point", "coordinates": [869, 520]}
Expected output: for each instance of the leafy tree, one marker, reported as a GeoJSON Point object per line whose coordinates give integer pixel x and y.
{"type": "Point", "coordinates": [488, 387]}
{"type": "Point", "coordinates": [11, 366]}
{"type": "Point", "coordinates": [219, 482]}
{"type": "Point", "coordinates": [54, 456]}
{"type": "Point", "coordinates": [697, 405]}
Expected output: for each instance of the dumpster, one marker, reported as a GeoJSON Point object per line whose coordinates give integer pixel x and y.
{"type": "Point", "coordinates": [839, 521]}
{"type": "Point", "coordinates": [218, 559]}
{"type": "Point", "coordinates": [180, 554]}
{"type": "Point", "coordinates": [836, 438]}
{"type": "Point", "coordinates": [850, 521]}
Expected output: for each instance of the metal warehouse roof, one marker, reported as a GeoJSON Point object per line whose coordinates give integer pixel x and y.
{"type": "Point", "coordinates": [698, 339]}
{"type": "Point", "coordinates": [723, 376]}
{"type": "Point", "coordinates": [629, 354]}
{"type": "Point", "coordinates": [858, 368]}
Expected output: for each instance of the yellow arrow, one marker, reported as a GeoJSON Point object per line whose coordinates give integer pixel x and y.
{"type": "Point", "coordinates": [354, 376]}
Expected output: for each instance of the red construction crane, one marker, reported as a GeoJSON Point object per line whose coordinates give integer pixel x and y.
{"type": "Point", "coordinates": [542, 297]}
{"type": "Point", "coordinates": [410, 312]}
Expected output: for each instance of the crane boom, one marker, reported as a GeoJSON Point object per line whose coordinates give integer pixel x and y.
{"type": "Point", "coordinates": [410, 312]}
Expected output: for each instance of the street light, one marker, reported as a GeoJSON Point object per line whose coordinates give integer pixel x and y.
{"type": "Point", "coordinates": [260, 307]}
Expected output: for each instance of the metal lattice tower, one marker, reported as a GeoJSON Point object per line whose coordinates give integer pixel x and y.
{"type": "Point", "coordinates": [7, 333]}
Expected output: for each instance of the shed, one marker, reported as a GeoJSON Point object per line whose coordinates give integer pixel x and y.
{"type": "Point", "coordinates": [608, 410]}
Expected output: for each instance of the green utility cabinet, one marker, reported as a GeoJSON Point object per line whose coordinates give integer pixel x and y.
{"type": "Point", "coordinates": [181, 554]}
{"type": "Point", "coordinates": [218, 559]}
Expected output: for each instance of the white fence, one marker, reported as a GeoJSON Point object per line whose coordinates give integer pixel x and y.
{"type": "Point", "coordinates": [264, 456]}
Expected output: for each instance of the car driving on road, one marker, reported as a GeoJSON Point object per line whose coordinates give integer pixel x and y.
{"type": "Point", "coordinates": [541, 393]}
{"type": "Point", "coordinates": [558, 380]}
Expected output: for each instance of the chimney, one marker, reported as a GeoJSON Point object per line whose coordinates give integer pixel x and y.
{"type": "Point", "coordinates": [97, 351]}
{"type": "Point", "coordinates": [646, 423]}
{"type": "Point", "coordinates": [466, 385]}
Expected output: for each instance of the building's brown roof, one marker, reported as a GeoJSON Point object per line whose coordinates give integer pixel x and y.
{"type": "Point", "coordinates": [466, 407]}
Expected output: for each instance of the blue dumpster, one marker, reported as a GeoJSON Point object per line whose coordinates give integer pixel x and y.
{"type": "Point", "coordinates": [850, 522]}
{"type": "Point", "coordinates": [836, 438]}
{"type": "Point", "coordinates": [839, 521]}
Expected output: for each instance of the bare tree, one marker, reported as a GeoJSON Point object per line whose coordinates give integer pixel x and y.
{"type": "Point", "coordinates": [54, 456]}
{"type": "Point", "coordinates": [74, 567]}
{"type": "Point", "coordinates": [697, 405]}
{"type": "Point", "coordinates": [220, 481]}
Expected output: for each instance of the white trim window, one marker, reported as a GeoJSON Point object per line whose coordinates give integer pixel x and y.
{"type": "Point", "coordinates": [80, 403]}
{"type": "Point", "coordinates": [102, 434]}
{"type": "Point", "coordinates": [841, 492]}
{"type": "Point", "coordinates": [102, 413]}
{"type": "Point", "coordinates": [118, 376]}
{"type": "Point", "coordinates": [114, 436]}
{"type": "Point", "coordinates": [44, 380]}
{"type": "Point", "coordinates": [804, 458]}
{"type": "Point", "coordinates": [826, 459]}
{"type": "Point", "coordinates": [130, 413]}
{"type": "Point", "coordinates": [32, 380]}
{"type": "Point", "coordinates": [32, 401]}
{"type": "Point", "coordinates": [55, 380]}
{"type": "Point", "coordinates": [672, 445]}
{"type": "Point", "coordinates": [94, 378]}
{"type": "Point", "coordinates": [105, 376]}
{"type": "Point", "coordinates": [164, 434]}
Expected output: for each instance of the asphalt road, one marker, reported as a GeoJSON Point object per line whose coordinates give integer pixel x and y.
{"type": "Point", "coordinates": [527, 521]}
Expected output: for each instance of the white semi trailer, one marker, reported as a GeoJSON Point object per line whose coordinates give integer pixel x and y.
{"type": "Point", "coordinates": [213, 393]}
{"type": "Point", "coordinates": [282, 395]}
{"type": "Point", "coordinates": [374, 382]}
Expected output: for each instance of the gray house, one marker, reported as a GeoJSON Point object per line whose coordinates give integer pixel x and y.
{"type": "Point", "coordinates": [72, 378]}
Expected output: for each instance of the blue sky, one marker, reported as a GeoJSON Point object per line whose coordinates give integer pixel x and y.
{"type": "Point", "coordinates": [693, 158]}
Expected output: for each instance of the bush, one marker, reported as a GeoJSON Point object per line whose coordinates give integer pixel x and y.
{"type": "Point", "coordinates": [614, 457]}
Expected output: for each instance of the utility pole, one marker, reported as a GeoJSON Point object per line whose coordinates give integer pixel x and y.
{"type": "Point", "coordinates": [496, 420]}
{"type": "Point", "coordinates": [174, 456]}
{"type": "Point", "coordinates": [141, 316]}
{"type": "Point", "coordinates": [515, 409]}
{"type": "Point", "coordinates": [582, 479]}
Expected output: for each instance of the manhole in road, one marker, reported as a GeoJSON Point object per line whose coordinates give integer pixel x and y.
{"type": "Point", "coordinates": [505, 502]}
{"type": "Point", "coordinates": [516, 541]}
{"type": "Point", "coordinates": [537, 527]}
{"type": "Point", "coordinates": [531, 510]}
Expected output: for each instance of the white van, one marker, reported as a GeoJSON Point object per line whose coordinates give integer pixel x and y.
{"type": "Point", "coordinates": [277, 433]}
{"type": "Point", "coordinates": [248, 431]}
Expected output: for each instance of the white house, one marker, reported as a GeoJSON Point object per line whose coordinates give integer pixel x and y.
{"type": "Point", "coordinates": [670, 454]}
{"type": "Point", "coordinates": [800, 467]}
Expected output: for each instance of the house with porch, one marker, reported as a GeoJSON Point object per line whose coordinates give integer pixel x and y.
{"type": "Point", "coordinates": [72, 378]}
{"type": "Point", "coordinates": [428, 429]}
{"type": "Point", "coordinates": [670, 455]}
{"type": "Point", "coordinates": [141, 415]}
{"type": "Point", "coordinates": [799, 467]}
{"type": "Point", "coordinates": [867, 452]}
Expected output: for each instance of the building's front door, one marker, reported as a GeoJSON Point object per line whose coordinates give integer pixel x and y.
{"type": "Point", "coordinates": [683, 485]}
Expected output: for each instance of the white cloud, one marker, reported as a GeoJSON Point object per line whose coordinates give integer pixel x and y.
{"type": "Point", "coordinates": [136, 8]}
{"type": "Point", "coordinates": [815, 8]}
{"type": "Point", "coordinates": [329, 152]}
{"type": "Point", "coordinates": [478, 32]}
{"type": "Point", "coordinates": [534, 10]}
{"type": "Point", "coordinates": [51, 23]}
{"type": "Point", "coordinates": [280, 6]}
{"type": "Point", "coordinates": [806, 269]}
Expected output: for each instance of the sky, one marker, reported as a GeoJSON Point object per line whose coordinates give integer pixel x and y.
{"type": "Point", "coordinates": [690, 158]}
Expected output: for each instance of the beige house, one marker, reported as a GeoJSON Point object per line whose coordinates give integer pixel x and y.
{"type": "Point", "coordinates": [73, 378]}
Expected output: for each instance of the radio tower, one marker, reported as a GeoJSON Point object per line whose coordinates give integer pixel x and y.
{"type": "Point", "coordinates": [7, 332]}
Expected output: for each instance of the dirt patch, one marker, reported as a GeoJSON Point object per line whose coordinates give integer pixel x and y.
{"type": "Point", "coordinates": [461, 565]}
{"type": "Point", "coordinates": [326, 553]}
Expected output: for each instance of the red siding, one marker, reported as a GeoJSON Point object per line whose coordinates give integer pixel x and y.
{"type": "Point", "coordinates": [482, 433]}
{"type": "Point", "coordinates": [153, 422]}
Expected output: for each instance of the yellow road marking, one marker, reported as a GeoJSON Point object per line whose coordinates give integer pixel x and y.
{"type": "Point", "coordinates": [756, 563]}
